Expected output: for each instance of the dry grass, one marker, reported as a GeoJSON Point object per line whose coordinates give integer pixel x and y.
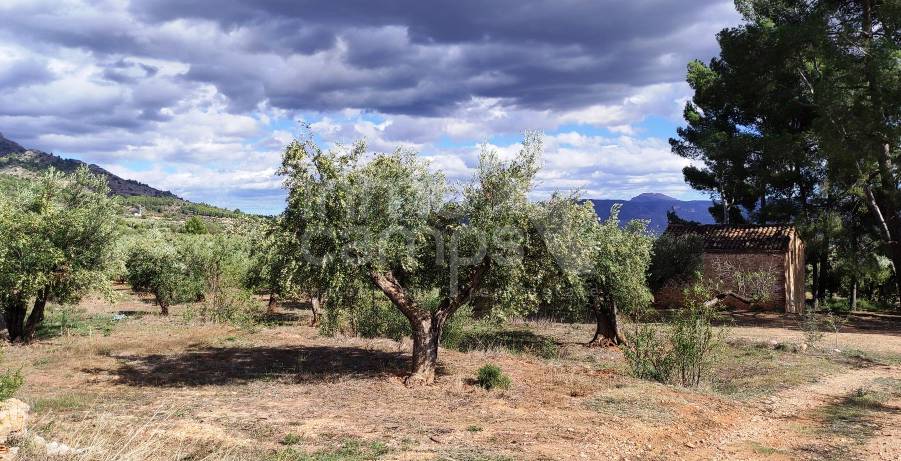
{"type": "Point", "coordinates": [156, 388]}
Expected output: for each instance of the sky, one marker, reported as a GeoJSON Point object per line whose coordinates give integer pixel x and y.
{"type": "Point", "coordinates": [201, 97]}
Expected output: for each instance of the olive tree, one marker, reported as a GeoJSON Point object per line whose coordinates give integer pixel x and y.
{"type": "Point", "coordinates": [57, 236]}
{"type": "Point", "coordinates": [269, 259]}
{"type": "Point", "coordinates": [619, 280]}
{"type": "Point", "coordinates": [591, 265]}
{"type": "Point", "coordinates": [154, 266]}
{"type": "Point", "coordinates": [389, 221]}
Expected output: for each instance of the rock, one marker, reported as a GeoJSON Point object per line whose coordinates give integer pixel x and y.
{"type": "Point", "coordinates": [802, 347]}
{"type": "Point", "coordinates": [13, 418]}
{"type": "Point", "coordinates": [38, 442]}
{"type": "Point", "coordinates": [8, 453]}
{"type": "Point", "coordinates": [772, 343]}
{"type": "Point", "coordinates": [61, 449]}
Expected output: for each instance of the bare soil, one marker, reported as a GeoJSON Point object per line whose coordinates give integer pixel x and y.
{"type": "Point", "coordinates": [283, 391]}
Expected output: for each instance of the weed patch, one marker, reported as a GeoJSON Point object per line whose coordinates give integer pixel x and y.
{"type": "Point", "coordinates": [10, 382]}
{"type": "Point", "coordinates": [632, 404]}
{"type": "Point", "coordinates": [748, 370]}
{"type": "Point", "coordinates": [348, 450]}
{"type": "Point", "coordinates": [65, 402]}
{"type": "Point", "coordinates": [490, 377]}
{"type": "Point", "coordinates": [516, 341]}
{"type": "Point", "coordinates": [67, 321]}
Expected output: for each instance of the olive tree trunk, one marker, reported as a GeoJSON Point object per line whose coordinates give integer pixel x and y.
{"type": "Point", "coordinates": [14, 311]}
{"type": "Point", "coordinates": [426, 326]}
{"type": "Point", "coordinates": [317, 304]}
{"type": "Point", "coordinates": [607, 332]}
{"type": "Point", "coordinates": [273, 301]}
{"type": "Point", "coordinates": [164, 306]}
{"type": "Point", "coordinates": [36, 316]}
{"type": "Point", "coordinates": [21, 325]}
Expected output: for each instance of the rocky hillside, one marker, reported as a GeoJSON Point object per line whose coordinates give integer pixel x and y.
{"type": "Point", "coordinates": [20, 162]}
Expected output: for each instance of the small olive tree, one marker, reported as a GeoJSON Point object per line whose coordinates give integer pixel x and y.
{"type": "Point", "coordinates": [389, 222]}
{"type": "Point", "coordinates": [591, 265]}
{"type": "Point", "coordinates": [57, 236]}
{"type": "Point", "coordinates": [619, 279]}
{"type": "Point", "coordinates": [159, 265]}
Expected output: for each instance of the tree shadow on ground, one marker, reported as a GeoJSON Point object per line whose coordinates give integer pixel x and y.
{"type": "Point", "coordinates": [513, 340]}
{"type": "Point", "coordinates": [857, 322]}
{"type": "Point", "coordinates": [238, 365]}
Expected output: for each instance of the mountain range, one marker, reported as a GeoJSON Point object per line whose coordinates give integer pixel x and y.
{"type": "Point", "coordinates": [653, 207]}
{"type": "Point", "coordinates": [19, 162]}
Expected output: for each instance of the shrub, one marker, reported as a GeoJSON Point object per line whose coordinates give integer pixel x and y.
{"type": "Point", "coordinates": [647, 354]}
{"type": "Point", "coordinates": [490, 377]}
{"type": "Point", "coordinates": [10, 382]}
{"type": "Point", "coordinates": [692, 339]}
{"type": "Point", "coordinates": [811, 324]}
{"type": "Point", "coordinates": [195, 225]}
{"type": "Point", "coordinates": [679, 351]}
{"type": "Point", "coordinates": [235, 306]}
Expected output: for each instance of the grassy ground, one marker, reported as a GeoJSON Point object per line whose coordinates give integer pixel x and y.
{"type": "Point", "coordinates": [127, 384]}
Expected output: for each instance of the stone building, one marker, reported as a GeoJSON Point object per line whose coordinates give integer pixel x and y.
{"type": "Point", "coordinates": [744, 259]}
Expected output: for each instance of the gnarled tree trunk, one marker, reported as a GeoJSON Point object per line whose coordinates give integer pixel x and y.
{"type": "Point", "coordinates": [36, 316]}
{"type": "Point", "coordinates": [273, 301]}
{"type": "Point", "coordinates": [426, 339]}
{"type": "Point", "coordinates": [607, 331]}
{"type": "Point", "coordinates": [426, 326]}
{"type": "Point", "coordinates": [14, 311]}
{"type": "Point", "coordinates": [164, 306]}
{"type": "Point", "coordinates": [316, 306]}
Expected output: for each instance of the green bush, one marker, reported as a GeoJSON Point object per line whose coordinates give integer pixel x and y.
{"type": "Point", "coordinates": [679, 351]}
{"type": "Point", "coordinates": [811, 323]}
{"type": "Point", "coordinates": [157, 267]}
{"type": "Point", "coordinates": [647, 353]}
{"type": "Point", "coordinates": [693, 339]}
{"type": "Point", "coordinates": [371, 316]}
{"type": "Point", "coordinates": [490, 377]}
{"type": "Point", "coordinates": [235, 306]}
{"type": "Point", "coordinates": [195, 225]}
{"type": "Point", "coordinates": [10, 382]}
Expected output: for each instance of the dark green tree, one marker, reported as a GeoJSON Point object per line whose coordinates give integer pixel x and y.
{"type": "Point", "coordinates": [799, 112]}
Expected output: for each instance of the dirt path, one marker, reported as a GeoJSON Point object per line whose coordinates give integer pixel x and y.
{"type": "Point", "coordinates": [773, 428]}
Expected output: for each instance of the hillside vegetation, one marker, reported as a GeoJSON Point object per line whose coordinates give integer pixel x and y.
{"type": "Point", "coordinates": [20, 165]}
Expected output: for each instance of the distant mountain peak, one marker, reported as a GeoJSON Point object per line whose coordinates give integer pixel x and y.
{"type": "Point", "coordinates": [9, 146]}
{"type": "Point", "coordinates": [16, 160]}
{"type": "Point", "coordinates": [654, 209]}
{"type": "Point", "coordinates": [653, 197]}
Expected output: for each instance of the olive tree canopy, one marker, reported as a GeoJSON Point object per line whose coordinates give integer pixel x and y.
{"type": "Point", "coordinates": [396, 225]}
{"type": "Point", "coordinates": [56, 241]}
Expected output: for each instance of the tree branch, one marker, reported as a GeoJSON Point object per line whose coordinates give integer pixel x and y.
{"type": "Point", "coordinates": [398, 295]}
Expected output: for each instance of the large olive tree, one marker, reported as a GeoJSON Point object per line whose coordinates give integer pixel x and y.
{"type": "Point", "coordinates": [392, 222]}
{"type": "Point", "coordinates": [56, 241]}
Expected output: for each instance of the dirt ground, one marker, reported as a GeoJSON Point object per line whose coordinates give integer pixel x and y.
{"type": "Point", "coordinates": [147, 387]}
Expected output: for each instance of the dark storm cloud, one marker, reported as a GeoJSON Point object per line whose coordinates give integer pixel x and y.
{"type": "Point", "coordinates": [425, 57]}
{"type": "Point", "coordinates": [409, 57]}
{"type": "Point", "coordinates": [24, 72]}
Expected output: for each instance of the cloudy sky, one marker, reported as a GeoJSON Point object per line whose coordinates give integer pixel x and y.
{"type": "Point", "coordinates": [200, 97]}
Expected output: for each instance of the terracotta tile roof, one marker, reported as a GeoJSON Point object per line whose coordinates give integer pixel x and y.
{"type": "Point", "coordinates": [743, 238]}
